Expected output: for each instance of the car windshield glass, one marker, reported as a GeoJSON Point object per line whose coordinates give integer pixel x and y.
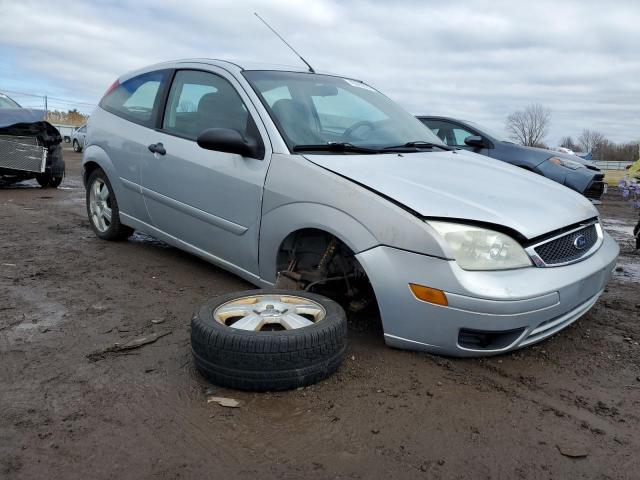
{"type": "Point", "coordinates": [6, 102]}
{"type": "Point", "coordinates": [311, 109]}
{"type": "Point", "coordinates": [492, 133]}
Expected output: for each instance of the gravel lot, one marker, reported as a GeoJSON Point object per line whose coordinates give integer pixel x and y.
{"type": "Point", "coordinates": [566, 408]}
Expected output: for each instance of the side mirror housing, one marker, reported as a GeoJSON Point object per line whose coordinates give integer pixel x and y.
{"type": "Point", "coordinates": [475, 141]}
{"type": "Point", "coordinates": [229, 141]}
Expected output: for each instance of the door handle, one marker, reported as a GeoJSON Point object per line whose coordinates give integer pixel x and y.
{"type": "Point", "coordinates": [157, 148]}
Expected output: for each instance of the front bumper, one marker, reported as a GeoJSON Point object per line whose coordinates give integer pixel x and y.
{"type": "Point", "coordinates": [521, 306]}
{"type": "Point", "coordinates": [586, 181]}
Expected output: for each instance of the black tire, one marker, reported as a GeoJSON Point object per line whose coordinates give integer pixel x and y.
{"type": "Point", "coordinates": [76, 146]}
{"type": "Point", "coordinates": [268, 360]}
{"type": "Point", "coordinates": [116, 230]}
{"type": "Point", "coordinates": [43, 179]}
{"type": "Point", "coordinates": [55, 182]}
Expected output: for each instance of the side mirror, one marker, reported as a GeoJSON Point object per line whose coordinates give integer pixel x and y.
{"type": "Point", "coordinates": [475, 141]}
{"type": "Point", "coordinates": [229, 141]}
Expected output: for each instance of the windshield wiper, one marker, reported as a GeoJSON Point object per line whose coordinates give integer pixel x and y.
{"type": "Point", "coordinates": [334, 147]}
{"type": "Point", "coordinates": [418, 144]}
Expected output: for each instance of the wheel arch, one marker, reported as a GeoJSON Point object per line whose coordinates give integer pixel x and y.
{"type": "Point", "coordinates": [95, 157]}
{"type": "Point", "coordinates": [281, 224]}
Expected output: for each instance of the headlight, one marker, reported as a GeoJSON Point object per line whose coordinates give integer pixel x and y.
{"type": "Point", "coordinates": [565, 163]}
{"type": "Point", "coordinates": [476, 248]}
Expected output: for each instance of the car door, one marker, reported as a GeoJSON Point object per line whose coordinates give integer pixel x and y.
{"type": "Point", "coordinates": [454, 134]}
{"type": "Point", "coordinates": [210, 200]}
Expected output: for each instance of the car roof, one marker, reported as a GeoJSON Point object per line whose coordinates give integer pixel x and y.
{"type": "Point", "coordinates": [232, 66]}
{"type": "Point", "coordinates": [439, 117]}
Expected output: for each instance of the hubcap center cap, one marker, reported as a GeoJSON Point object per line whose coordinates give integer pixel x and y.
{"type": "Point", "coordinates": [271, 311]}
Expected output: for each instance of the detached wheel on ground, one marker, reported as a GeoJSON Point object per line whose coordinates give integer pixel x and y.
{"type": "Point", "coordinates": [268, 339]}
{"type": "Point", "coordinates": [102, 208]}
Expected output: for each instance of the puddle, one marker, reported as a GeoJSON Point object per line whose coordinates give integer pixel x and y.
{"type": "Point", "coordinates": [38, 314]}
{"type": "Point", "coordinates": [630, 271]}
{"type": "Point", "coordinates": [620, 230]}
{"type": "Point", "coordinates": [19, 185]}
{"type": "Point", "coordinates": [67, 184]}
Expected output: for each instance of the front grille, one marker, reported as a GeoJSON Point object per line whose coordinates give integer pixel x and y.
{"type": "Point", "coordinates": [22, 153]}
{"type": "Point", "coordinates": [563, 249]}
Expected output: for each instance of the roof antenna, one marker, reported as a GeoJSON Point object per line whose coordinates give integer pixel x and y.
{"type": "Point", "coordinates": [285, 42]}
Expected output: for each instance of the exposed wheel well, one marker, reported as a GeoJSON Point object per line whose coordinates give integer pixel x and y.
{"type": "Point", "coordinates": [317, 261]}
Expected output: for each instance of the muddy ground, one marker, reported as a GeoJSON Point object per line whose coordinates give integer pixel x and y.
{"type": "Point", "coordinates": [68, 414]}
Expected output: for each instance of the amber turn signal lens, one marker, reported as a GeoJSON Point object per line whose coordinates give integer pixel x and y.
{"type": "Point", "coordinates": [427, 294]}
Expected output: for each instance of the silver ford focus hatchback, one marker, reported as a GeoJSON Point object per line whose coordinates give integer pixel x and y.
{"type": "Point", "coordinates": [317, 182]}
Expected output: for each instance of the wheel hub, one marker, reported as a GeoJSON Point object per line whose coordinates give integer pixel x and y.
{"type": "Point", "coordinates": [257, 311]}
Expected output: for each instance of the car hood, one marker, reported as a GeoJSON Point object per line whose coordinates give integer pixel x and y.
{"type": "Point", "coordinates": [28, 122]}
{"type": "Point", "coordinates": [465, 186]}
{"type": "Point", "coordinates": [539, 155]}
{"type": "Point", "coordinates": [13, 116]}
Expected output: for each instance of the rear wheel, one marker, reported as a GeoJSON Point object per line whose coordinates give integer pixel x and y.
{"type": "Point", "coordinates": [76, 146]}
{"type": "Point", "coordinates": [102, 208]}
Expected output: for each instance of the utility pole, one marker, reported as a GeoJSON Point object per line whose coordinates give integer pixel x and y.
{"type": "Point", "coordinates": [45, 103]}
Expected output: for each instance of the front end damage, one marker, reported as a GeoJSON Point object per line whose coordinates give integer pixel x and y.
{"type": "Point", "coordinates": [30, 147]}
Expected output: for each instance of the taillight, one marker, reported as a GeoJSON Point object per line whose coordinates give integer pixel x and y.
{"type": "Point", "coordinates": [113, 86]}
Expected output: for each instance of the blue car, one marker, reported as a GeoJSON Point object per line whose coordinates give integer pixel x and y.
{"type": "Point", "coordinates": [570, 170]}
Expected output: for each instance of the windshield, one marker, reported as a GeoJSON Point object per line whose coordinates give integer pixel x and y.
{"type": "Point", "coordinates": [311, 109]}
{"type": "Point", "coordinates": [492, 133]}
{"type": "Point", "coordinates": [6, 102]}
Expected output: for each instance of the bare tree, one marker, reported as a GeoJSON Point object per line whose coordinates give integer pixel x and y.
{"type": "Point", "coordinates": [567, 142]}
{"type": "Point", "coordinates": [592, 141]}
{"type": "Point", "coordinates": [529, 126]}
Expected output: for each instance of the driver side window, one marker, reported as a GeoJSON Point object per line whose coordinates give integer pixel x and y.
{"type": "Point", "coordinates": [459, 135]}
{"type": "Point", "coordinates": [451, 134]}
{"type": "Point", "coordinates": [199, 101]}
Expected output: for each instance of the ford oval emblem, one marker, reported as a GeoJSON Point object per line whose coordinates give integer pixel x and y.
{"type": "Point", "coordinates": [580, 242]}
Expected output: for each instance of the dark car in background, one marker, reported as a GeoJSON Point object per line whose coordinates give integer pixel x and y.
{"type": "Point", "coordinates": [29, 146]}
{"type": "Point", "coordinates": [570, 170]}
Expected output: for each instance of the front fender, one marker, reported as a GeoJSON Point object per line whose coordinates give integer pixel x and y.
{"type": "Point", "coordinates": [280, 222]}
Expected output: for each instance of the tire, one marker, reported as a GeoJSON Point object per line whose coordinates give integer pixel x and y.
{"type": "Point", "coordinates": [108, 230]}
{"type": "Point", "coordinates": [76, 146]}
{"type": "Point", "coordinates": [43, 179]}
{"type": "Point", "coordinates": [55, 182]}
{"type": "Point", "coordinates": [268, 360]}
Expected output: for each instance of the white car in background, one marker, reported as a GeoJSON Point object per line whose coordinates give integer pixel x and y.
{"type": "Point", "coordinates": [79, 138]}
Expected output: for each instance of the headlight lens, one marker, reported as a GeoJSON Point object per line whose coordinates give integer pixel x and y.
{"type": "Point", "coordinates": [563, 162]}
{"type": "Point", "coordinates": [476, 248]}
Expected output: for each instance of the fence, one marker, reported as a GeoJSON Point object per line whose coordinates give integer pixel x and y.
{"type": "Point", "coordinates": [604, 165]}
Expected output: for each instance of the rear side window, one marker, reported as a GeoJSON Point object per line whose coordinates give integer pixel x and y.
{"type": "Point", "coordinates": [137, 98]}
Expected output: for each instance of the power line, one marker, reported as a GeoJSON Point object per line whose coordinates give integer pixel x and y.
{"type": "Point", "coordinates": [56, 99]}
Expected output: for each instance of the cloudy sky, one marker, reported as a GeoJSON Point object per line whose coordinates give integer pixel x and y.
{"type": "Point", "coordinates": [478, 60]}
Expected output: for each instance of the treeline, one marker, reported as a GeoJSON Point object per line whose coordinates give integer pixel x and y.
{"type": "Point", "coordinates": [601, 147]}
{"type": "Point", "coordinates": [531, 125]}
{"type": "Point", "coordinates": [70, 117]}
